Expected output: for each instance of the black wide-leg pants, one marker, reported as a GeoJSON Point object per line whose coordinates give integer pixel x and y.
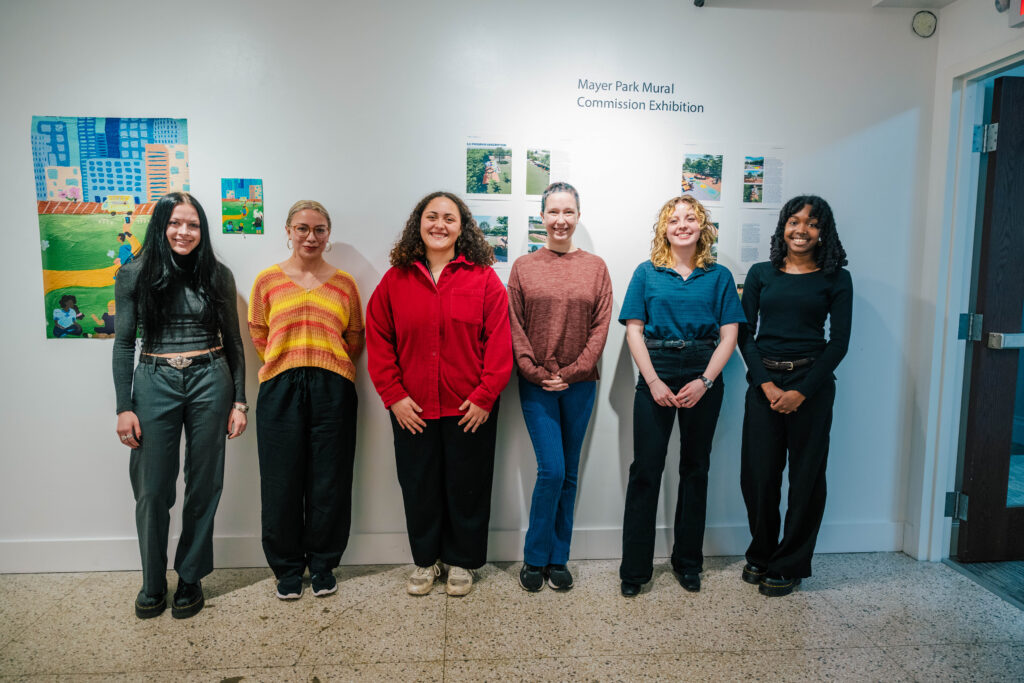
{"type": "Point", "coordinates": [652, 427]}
{"type": "Point", "coordinates": [446, 474]}
{"type": "Point", "coordinates": [306, 430]}
{"type": "Point", "coordinates": [768, 437]}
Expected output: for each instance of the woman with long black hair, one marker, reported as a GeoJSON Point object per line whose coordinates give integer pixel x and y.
{"type": "Point", "coordinates": [789, 401]}
{"type": "Point", "coordinates": [191, 375]}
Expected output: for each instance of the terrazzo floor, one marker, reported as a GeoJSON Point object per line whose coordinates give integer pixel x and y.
{"type": "Point", "coordinates": [872, 616]}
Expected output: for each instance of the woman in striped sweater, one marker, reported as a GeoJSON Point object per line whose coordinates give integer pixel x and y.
{"type": "Point", "coordinates": [306, 322]}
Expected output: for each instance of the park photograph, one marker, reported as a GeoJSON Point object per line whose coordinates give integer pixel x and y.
{"type": "Point", "coordinates": [702, 177]}
{"type": "Point", "coordinates": [752, 193]}
{"type": "Point", "coordinates": [538, 170]}
{"type": "Point", "coordinates": [535, 232]}
{"type": "Point", "coordinates": [488, 169]}
{"type": "Point", "coordinates": [495, 230]}
{"type": "Point", "coordinates": [241, 206]}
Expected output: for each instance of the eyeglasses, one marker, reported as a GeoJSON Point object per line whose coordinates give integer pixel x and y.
{"type": "Point", "coordinates": [303, 230]}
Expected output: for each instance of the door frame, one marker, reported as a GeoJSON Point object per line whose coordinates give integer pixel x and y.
{"type": "Point", "coordinates": [953, 204]}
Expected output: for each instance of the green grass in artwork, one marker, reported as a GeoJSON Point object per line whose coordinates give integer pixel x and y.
{"type": "Point", "coordinates": [91, 301]}
{"type": "Point", "coordinates": [241, 217]}
{"type": "Point", "coordinates": [84, 242]}
{"type": "Point", "coordinates": [537, 179]}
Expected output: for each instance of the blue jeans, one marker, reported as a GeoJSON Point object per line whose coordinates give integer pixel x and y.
{"type": "Point", "coordinates": [557, 422]}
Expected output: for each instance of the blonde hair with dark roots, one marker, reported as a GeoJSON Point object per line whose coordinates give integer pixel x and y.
{"type": "Point", "coordinates": [310, 204]}
{"type": "Point", "coordinates": [661, 250]}
{"type": "Point", "coordinates": [471, 242]}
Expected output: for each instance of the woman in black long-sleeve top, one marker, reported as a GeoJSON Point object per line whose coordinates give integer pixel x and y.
{"type": "Point", "coordinates": [792, 388]}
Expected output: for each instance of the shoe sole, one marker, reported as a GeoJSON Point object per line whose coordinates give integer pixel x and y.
{"type": "Point", "coordinates": [458, 592]}
{"type": "Point", "coordinates": [531, 590]}
{"type": "Point", "coordinates": [326, 591]}
{"type": "Point", "coordinates": [778, 591]}
{"type": "Point", "coordinates": [288, 596]}
{"type": "Point", "coordinates": [188, 610]}
{"type": "Point", "coordinates": [753, 577]}
{"type": "Point", "coordinates": [560, 589]}
{"type": "Point", "coordinates": [150, 612]}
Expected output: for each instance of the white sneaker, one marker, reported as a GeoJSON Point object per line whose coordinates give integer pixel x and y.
{"type": "Point", "coordinates": [422, 579]}
{"type": "Point", "coordinates": [460, 581]}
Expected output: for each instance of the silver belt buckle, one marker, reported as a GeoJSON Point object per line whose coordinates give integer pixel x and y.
{"type": "Point", "coordinates": [179, 362]}
{"type": "Point", "coordinates": [788, 365]}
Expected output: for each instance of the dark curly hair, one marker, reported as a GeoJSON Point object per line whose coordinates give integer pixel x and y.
{"type": "Point", "coordinates": [163, 273]}
{"type": "Point", "coordinates": [471, 242]}
{"type": "Point", "coordinates": [829, 253]}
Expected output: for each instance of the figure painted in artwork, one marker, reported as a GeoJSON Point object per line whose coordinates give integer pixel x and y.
{"type": "Point", "coordinates": [105, 326]}
{"type": "Point", "coordinates": [65, 318]}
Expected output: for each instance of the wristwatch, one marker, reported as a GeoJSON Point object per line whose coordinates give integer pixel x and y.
{"type": "Point", "coordinates": [241, 407]}
{"type": "Point", "coordinates": [708, 383]}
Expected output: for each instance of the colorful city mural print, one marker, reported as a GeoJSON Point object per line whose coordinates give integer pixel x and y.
{"type": "Point", "coordinates": [97, 180]}
{"type": "Point", "coordinates": [241, 206]}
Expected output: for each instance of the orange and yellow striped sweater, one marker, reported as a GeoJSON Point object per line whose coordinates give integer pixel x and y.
{"type": "Point", "coordinates": [293, 327]}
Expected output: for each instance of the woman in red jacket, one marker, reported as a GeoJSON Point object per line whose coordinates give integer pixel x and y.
{"type": "Point", "coordinates": [439, 352]}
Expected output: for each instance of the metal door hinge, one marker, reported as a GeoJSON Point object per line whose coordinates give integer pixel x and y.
{"type": "Point", "coordinates": [970, 326]}
{"type": "Point", "coordinates": [956, 505]}
{"type": "Point", "coordinates": [985, 138]}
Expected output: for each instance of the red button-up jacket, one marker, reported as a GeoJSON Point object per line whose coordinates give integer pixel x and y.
{"type": "Point", "coordinates": [440, 344]}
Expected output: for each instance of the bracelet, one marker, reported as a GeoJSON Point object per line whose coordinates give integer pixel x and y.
{"type": "Point", "coordinates": [241, 407]}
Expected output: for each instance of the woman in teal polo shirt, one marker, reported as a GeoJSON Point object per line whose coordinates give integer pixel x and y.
{"type": "Point", "coordinates": [682, 316]}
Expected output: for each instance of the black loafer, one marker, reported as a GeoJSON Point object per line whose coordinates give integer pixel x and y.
{"type": "Point", "coordinates": [753, 573]}
{"type": "Point", "coordinates": [630, 590]}
{"type": "Point", "coordinates": [149, 606]}
{"type": "Point", "coordinates": [775, 586]}
{"type": "Point", "coordinates": [188, 600]}
{"type": "Point", "coordinates": [690, 580]}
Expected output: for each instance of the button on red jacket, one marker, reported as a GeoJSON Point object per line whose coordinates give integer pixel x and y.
{"type": "Point", "coordinates": [440, 344]}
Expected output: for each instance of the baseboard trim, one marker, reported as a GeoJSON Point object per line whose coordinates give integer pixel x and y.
{"type": "Point", "coordinates": [116, 554]}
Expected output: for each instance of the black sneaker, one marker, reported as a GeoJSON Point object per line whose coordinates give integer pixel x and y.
{"type": "Point", "coordinates": [559, 577]}
{"type": "Point", "coordinates": [149, 606]}
{"type": "Point", "coordinates": [290, 588]}
{"type": "Point", "coordinates": [188, 600]}
{"type": "Point", "coordinates": [531, 578]}
{"type": "Point", "coordinates": [324, 583]}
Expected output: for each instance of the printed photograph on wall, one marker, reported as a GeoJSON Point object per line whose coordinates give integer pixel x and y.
{"type": "Point", "coordinates": [97, 180]}
{"type": "Point", "coordinates": [536, 235]}
{"type": "Point", "coordinates": [495, 229]}
{"type": "Point", "coordinates": [702, 176]}
{"type": "Point", "coordinates": [241, 206]}
{"type": "Point", "coordinates": [538, 170]}
{"type": "Point", "coordinates": [714, 246]}
{"type": "Point", "coordinates": [488, 168]}
{"type": "Point", "coordinates": [753, 180]}
{"type": "Point", "coordinates": [763, 174]}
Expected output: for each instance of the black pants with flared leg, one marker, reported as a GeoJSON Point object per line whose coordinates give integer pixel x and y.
{"type": "Point", "coordinates": [768, 438]}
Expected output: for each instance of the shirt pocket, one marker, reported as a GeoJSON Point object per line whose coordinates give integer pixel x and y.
{"type": "Point", "coordinates": [468, 306]}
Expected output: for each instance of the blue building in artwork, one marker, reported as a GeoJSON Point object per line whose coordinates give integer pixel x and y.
{"type": "Point", "coordinates": [49, 148]}
{"type": "Point", "coordinates": [91, 145]}
{"type": "Point", "coordinates": [168, 132]}
{"type": "Point", "coordinates": [115, 176]}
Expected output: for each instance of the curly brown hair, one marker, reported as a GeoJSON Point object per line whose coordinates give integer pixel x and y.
{"type": "Point", "coordinates": [471, 242]}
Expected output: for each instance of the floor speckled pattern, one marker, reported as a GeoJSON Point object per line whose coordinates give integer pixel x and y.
{"type": "Point", "coordinates": [862, 617]}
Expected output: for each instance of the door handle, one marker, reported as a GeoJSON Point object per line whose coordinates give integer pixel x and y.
{"type": "Point", "coordinates": [1002, 340]}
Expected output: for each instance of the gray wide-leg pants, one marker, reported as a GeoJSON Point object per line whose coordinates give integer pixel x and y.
{"type": "Point", "coordinates": [198, 398]}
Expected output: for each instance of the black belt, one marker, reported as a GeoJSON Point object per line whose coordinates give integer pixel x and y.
{"type": "Point", "coordinates": [182, 362]}
{"type": "Point", "coordinates": [787, 365]}
{"type": "Point", "coordinates": [678, 343]}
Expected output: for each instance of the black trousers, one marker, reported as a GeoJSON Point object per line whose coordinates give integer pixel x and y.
{"type": "Point", "coordinates": [306, 430]}
{"type": "Point", "coordinates": [652, 427]}
{"type": "Point", "coordinates": [445, 475]}
{"type": "Point", "coordinates": [767, 438]}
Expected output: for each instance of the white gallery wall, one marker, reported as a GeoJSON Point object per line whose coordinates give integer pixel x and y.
{"type": "Point", "coordinates": [367, 107]}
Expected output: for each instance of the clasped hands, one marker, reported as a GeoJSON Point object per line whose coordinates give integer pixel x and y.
{"type": "Point", "coordinates": [687, 397]}
{"type": "Point", "coordinates": [784, 402]}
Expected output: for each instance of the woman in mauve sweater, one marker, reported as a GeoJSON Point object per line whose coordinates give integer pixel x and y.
{"type": "Point", "coordinates": [792, 388]}
{"type": "Point", "coordinates": [306, 322]}
{"type": "Point", "coordinates": [439, 354]}
{"type": "Point", "coordinates": [560, 305]}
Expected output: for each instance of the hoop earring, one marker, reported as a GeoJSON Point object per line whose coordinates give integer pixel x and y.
{"type": "Point", "coordinates": [289, 244]}
{"type": "Point", "coordinates": [328, 247]}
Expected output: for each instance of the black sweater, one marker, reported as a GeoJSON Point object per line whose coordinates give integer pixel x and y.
{"type": "Point", "coordinates": [791, 310]}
